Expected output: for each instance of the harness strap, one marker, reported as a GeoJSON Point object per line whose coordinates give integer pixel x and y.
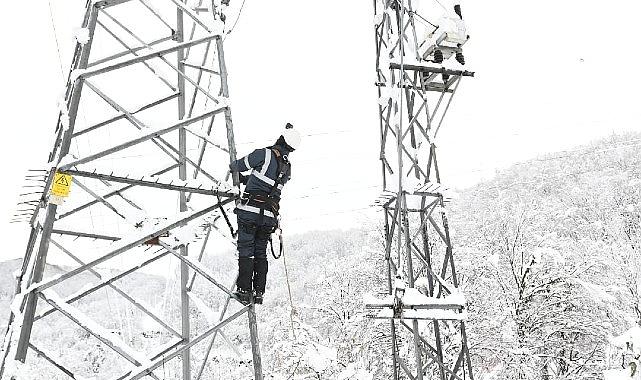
{"type": "Point", "coordinates": [259, 200]}
{"type": "Point", "coordinates": [222, 211]}
{"type": "Point", "coordinates": [280, 248]}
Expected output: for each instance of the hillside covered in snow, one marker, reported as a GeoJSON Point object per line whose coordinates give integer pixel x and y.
{"type": "Point", "coordinates": [547, 253]}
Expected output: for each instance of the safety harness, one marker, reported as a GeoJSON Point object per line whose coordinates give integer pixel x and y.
{"type": "Point", "coordinates": [269, 201]}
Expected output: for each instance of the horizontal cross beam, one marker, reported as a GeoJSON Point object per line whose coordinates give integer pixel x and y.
{"type": "Point", "coordinates": [144, 57]}
{"type": "Point", "coordinates": [428, 69]}
{"type": "Point", "coordinates": [186, 187]}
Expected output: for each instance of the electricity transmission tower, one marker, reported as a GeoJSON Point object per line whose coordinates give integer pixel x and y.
{"type": "Point", "coordinates": [136, 178]}
{"type": "Point", "coordinates": [415, 86]}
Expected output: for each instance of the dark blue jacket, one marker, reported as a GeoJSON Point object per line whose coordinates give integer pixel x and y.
{"type": "Point", "coordinates": [263, 164]}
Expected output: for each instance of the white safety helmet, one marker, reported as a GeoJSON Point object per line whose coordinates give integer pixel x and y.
{"type": "Point", "coordinates": [291, 136]}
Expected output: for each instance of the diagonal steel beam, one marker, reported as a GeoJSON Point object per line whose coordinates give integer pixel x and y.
{"type": "Point", "coordinates": [52, 361]}
{"type": "Point", "coordinates": [90, 326]}
{"type": "Point", "coordinates": [180, 73]}
{"type": "Point", "coordinates": [198, 268]}
{"type": "Point", "coordinates": [140, 373]}
{"type": "Point", "coordinates": [102, 69]}
{"type": "Point", "coordinates": [135, 53]}
{"type": "Point", "coordinates": [124, 115]}
{"type": "Point", "coordinates": [126, 244]}
{"type": "Point", "coordinates": [116, 289]}
{"type": "Point", "coordinates": [145, 137]}
{"type": "Point", "coordinates": [80, 234]}
{"type": "Point", "coordinates": [98, 198]}
{"type": "Point", "coordinates": [107, 282]}
{"type": "Point", "coordinates": [213, 339]}
{"type": "Point", "coordinates": [129, 51]}
{"type": "Point", "coordinates": [192, 15]}
{"type": "Point", "coordinates": [158, 140]}
{"type": "Point", "coordinates": [157, 14]}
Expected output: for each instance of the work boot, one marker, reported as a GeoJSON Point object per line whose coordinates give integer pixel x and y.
{"type": "Point", "coordinates": [244, 296]}
{"type": "Point", "coordinates": [260, 275]}
{"type": "Point", "coordinates": [258, 298]}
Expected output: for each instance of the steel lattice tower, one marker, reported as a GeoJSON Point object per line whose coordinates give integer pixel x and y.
{"type": "Point", "coordinates": [144, 138]}
{"type": "Point", "coordinates": [424, 306]}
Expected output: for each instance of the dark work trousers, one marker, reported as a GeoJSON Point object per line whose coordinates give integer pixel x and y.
{"type": "Point", "coordinates": [253, 237]}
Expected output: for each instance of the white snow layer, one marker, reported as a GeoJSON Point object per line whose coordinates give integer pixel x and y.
{"type": "Point", "coordinates": [354, 372]}
{"type": "Point", "coordinates": [320, 357]}
{"type": "Point", "coordinates": [75, 74]}
{"type": "Point", "coordinates": [81, 35]}
{"type": "Point", "coordinates": [619, 374]}
{"type": "Point", "coordinates": [629, 342]}
{"type": "Point", "coordinates": [84, 320]}
{"type": "Point", "coordinates": [632, 338]}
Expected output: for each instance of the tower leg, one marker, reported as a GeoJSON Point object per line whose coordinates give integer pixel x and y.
{"type": "Point", "coordinates": [38, 271]}
{"type": "Point", "coordinates": [182, 174]}
{"type": "Point", "coordinates": [253, 331]}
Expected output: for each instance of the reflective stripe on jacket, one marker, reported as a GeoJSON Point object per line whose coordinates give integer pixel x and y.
{"type": "Point", "coordinates": [263, 164]}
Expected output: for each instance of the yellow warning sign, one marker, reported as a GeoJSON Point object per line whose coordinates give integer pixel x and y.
{"type": "Point", "coordinates": [61, 184]}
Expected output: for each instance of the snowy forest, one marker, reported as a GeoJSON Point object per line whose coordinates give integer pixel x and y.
{"type": "Point", "coordinates": [547, 255]}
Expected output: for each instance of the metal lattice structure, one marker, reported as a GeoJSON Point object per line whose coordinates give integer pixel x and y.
{"type": "Point", "coordinates": [147, 163]}
{"type": "Point", "coordinates": [415, 86]}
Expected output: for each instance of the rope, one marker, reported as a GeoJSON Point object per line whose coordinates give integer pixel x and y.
{"type": "Point", "coordinates": [222, 211]}
{"type": "Point", "coordinates": [55, 36]}
{"type": "Point", "coordinates": [289, 291]}
{"type": "Point", "coordinates": [240, 11]}
{"type": "Point", "coordinates": [442, 6]}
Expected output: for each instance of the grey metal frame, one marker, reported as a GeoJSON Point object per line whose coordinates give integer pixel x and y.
{"type": "Point", "coordinates": [417, 237]}
{"type": "Point", "coordinates": [30, 285]}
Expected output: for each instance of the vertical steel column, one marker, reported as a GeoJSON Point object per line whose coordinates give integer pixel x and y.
{"type": "Point", "coordinates": [182, 174]}
{"type": "Point", "coordinates": [251, 313]}
{"type": "Point", "coordinates": [403, 215]}
{"type": "Point", "coordinates": [404, 91]}
{"type": "Point", "coordinates": [38, 271]}
{"type": "Point", "coordinates": [231, 144]}
{"type": "Point", "coordinates": [253, 330]}
{"type": "Point", "coordinates": [91, 16]}
{"type": "Point", "coordinates": [19, 333]}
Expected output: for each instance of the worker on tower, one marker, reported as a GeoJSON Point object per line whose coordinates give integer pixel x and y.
{"type": "Point", "coordinates": [258, 210]}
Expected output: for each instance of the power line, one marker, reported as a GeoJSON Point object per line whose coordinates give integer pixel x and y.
{"type": "Point", "coordinates": [307, 135]}
{"type": "Point", "coordinates": [332, 192]}
{"type": "Point", "coordinates": [240, 11]}
{"type": "Point", "coordinates": [333, 213]}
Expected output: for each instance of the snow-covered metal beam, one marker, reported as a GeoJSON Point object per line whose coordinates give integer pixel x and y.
{"type": "Point", "coordinates": [97, 70]}
{"type": "Point", "coordinates": [198, 268]}
{"type": "Point", "coordinates": [431, 69]}
{"type": "Point", "coordinates": [107, 282]}
{"type": "Point", "coordinates": [111, 194]}
{"type": "Point", "coordinates": [123, 115]}
{"type": "Point", "coordinates": [117, 289]}
{"type": "Point", "coordinates": [109, 3]}
{"type": "Point", "coordinates": [128, 243]}
{"type": "Point", "coordinates": [129, 51]}
{"type": "Point", "coordinates": [145, 137]}
{"type": "Point", "coordinates": [94, 329]}
{"type": "Point", "coordinates": [142, 372]}
{"type": "Point", "coordinates": [177, 185]}
{"type": "Point", "coordinates": [81, 234]}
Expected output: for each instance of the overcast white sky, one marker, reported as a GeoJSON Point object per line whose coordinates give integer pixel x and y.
{"type": "Point", "coordinates": [550, 75]}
